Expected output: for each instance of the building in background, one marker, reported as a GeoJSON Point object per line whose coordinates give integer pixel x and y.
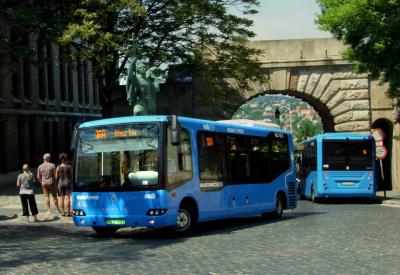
{"type": "Point", "coordinates": [39, 105]}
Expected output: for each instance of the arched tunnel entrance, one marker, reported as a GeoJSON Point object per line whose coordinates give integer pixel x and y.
{"type": "Point", "coordinates": [322, 110]}
{"type": "Point", "coordinates": [314, 105]}
{"type": "Point", "coordinates": [296, 115]}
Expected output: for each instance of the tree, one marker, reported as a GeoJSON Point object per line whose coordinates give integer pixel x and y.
{"type": "Point", "coordinates": [203, 34]}
{"type": "Point", "coordinates": [46, 18]}
{"type": "Point", "coordinates": [306, 130]}
{"type": "Point", "coordinates": [371, 28]}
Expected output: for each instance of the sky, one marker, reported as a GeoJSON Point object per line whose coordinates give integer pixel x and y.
{"type": "Point", "coordinates": [286, 19]}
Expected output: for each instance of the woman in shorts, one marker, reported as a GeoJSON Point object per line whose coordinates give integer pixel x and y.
{"type": "Point", "coordinates": [64, 184]}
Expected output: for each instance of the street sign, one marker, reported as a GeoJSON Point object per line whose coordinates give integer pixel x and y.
{"type": "Point", "coordinates": [381, 152]}
{"type": "Point", "coordinates": [379, 143]}
{"type": "Point", "coordinates": [378, 134]}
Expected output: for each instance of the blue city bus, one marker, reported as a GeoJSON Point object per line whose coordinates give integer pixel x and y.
{"type": "Point", "coordinates": [169, 171]}
{"type": "Point", "coordinates": [337, 165]}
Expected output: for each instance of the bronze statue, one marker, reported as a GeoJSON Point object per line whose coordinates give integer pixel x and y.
{"type": "Point", "coordinates": [142, 85]}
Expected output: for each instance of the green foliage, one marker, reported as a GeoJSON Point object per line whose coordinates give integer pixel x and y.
{"type": "Point", "coordinates": [45, 18]}
{"type": "Point", "coordinates": [263, 108]}
{"type": "Point", "coordinates": [371, 28]}
{"type": "Point", "coordinates": [306, 130]}
{"type": "Point", "coordinates": [201, 34]}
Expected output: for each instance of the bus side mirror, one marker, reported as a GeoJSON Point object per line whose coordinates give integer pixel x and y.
{"type": "Point", "coordinates": [175, 130]}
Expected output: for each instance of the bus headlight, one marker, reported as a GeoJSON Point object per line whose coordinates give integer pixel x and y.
{"type": "Point", "coordinates": [78, 212]}
{"type": "Point", "coordinates": [156, 212]}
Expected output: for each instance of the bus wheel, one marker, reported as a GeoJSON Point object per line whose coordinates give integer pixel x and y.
{"type": "Point", "coordinates": [278, 212]}
{"type": "Point", "coordinates": [104, 230]}
{"type": "Point", "coordinates": [185, 221]}
{"type": "Point", "coordinates": [313, 195]}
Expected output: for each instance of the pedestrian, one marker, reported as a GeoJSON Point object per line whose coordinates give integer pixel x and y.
{"type": "Point", "coordinates": [64, 184]}
{"type": "Point", "coordinates": [26, 184]}
{"type": "Point", "coordinates": [46, 175]}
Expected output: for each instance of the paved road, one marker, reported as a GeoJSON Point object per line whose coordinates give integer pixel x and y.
{"type": "Point", "coordinates": [329, 238]}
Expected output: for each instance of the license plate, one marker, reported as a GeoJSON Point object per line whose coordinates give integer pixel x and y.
{"type": "Point", "coordinates": [347, 183]}
{"type": "Point", "coordinates": [115, 221]}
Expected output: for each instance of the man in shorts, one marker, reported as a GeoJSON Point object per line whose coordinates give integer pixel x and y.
{"type": "Point", "coordinates": [46, 175]}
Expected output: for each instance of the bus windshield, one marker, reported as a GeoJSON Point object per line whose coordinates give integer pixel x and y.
{"type": "Point", "coordinates": [347, 155]}
{"type": "Point", "coordinates": [117, 158]}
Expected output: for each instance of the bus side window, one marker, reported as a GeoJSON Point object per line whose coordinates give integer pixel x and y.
{"type": "Point", "coordinates": [238, 161]}
{"type": "Point", "coordinates": [179, 160]}
{"type": "Point", "coordinates": [210, 146]}
{"type": "Point", "coordinates": [280, 154]}
{"type": "Point", "coordinates": [260, 160]}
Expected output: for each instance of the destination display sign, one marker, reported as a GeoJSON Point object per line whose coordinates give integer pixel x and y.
{"type": "Point", "coordinates": [115, 133]}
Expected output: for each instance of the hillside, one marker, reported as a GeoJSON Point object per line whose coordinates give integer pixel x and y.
{"type": "Point", "coordinates": [305, 120]}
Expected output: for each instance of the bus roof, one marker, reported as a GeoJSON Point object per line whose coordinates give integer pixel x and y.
{"type": "Point", "coordinates": [341, 135]}
{"type": "Point", "coordinates": [253, 123]}
{"type": "Point", "coordinates": [122, 120]}
{"type": "Point", "coordinates": [202, 123]}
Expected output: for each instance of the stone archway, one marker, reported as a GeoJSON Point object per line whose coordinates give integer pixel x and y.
{"type": "Point", "coordinates": [340, 97]}
{"type": "Point", "coordinates": [327, 119]}
{"type": "Point", "coordinates": [309, 69]}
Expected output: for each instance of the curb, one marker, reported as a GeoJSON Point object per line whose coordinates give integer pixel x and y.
{"type": "Point", "coordinates": [391, 202]}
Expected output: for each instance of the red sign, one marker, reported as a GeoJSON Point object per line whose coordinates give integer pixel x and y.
{"type": "Point", "coordinates": [381, 152]}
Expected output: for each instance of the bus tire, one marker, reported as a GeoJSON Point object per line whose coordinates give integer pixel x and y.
{"type": "Point", "coordinates": [278, 212]}
{"type": "Point", "coordinates": [105, 230]}
{"type": "Point", "coordinates": [313, 195]}
{"type": "Point", "coordinates": [186, 220]}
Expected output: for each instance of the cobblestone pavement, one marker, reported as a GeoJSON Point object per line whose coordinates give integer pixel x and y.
{"type": "Point", "coordinates": [338, 237]}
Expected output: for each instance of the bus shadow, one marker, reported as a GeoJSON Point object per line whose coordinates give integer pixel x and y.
{"type": "Point", "coordinates": [231, 225]}
{"type": "Point", "coordinates": [226, 226]}
{"type": "Point", "coordinates": [350, 201]}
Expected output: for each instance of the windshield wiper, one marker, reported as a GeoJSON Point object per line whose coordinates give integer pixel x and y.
{"type": "Point", "coordinates": [89, 145]}
{"type": "Point", "coordinates": [149, 143]}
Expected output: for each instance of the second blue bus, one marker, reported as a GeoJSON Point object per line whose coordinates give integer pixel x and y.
{"type": "Point", "coordinates": [337, 165]}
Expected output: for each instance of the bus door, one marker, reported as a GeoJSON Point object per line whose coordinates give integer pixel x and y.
{"type": "Point", "coordinates": [308, 168]}
{"type": "Point", "coordinates": [240, 194]}
{"type": "Point", "coordinates": [211, 162]}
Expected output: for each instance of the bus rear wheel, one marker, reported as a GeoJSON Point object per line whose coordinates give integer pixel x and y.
{"type": "Point", "coordinates": [105, 230]}
{"type": "Point", "coordinates": [278, 212]}
{"type": "Point", "coordinates": [185, 221]}
{"type": "Point", "coordinates": [313, 195]}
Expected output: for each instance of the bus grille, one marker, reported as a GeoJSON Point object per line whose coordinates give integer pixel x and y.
{"type": "Point", "coordinates": [291, 195]}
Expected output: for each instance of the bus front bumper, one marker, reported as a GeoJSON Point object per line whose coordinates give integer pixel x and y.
{"type": "Point", "coordinates": [126, 220]}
